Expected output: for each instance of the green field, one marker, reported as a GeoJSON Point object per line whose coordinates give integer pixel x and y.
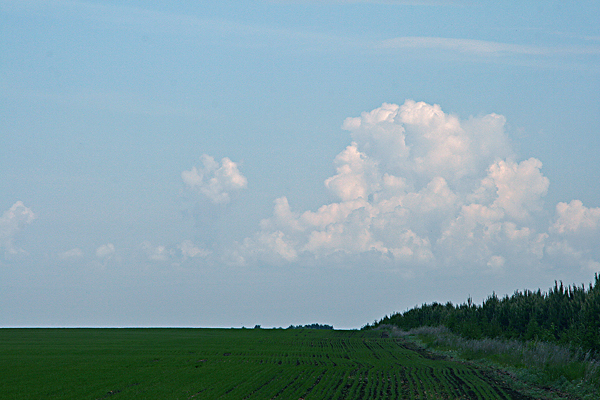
{"type": "Point", "coordinates": [229, 364]}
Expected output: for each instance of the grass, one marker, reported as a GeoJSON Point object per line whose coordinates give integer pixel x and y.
{"type": "Point", "coordinates": [562, 371]}
{"type": "Point", "coordinates": [230, 364]}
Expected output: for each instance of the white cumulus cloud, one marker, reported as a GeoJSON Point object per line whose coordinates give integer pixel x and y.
{"type": "Point", "coordinates": [215, 180]}
{"type": "Point", "coordinates": [13, 221]}
{"type": "Point", "coordinates": [420, 188]}
{"type": "Point", "coordinates": [574, 217]}
{"type": "Point", "coordinates": [516, 188]}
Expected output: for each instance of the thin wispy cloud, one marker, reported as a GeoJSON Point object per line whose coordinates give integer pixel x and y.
{"type": "Point", "coordinates": [73, 254]}
{"type": "Point", "coordinates": [111, 16]}
{"type": "Point", "coordinates": [388, 2]}
{"type": "Point", "coordinates": [260, 35]}
{"type": "Point", "coordinates": [145, 20]}
{"type": "Point", "coordinates": [484, 47]}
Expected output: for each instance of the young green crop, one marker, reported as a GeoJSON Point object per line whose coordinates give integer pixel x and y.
{"type": "Point", "coordinates": [228, 364]}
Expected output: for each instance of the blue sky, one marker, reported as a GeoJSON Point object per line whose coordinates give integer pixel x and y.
{"type": "Point", "coordinates": [290, 162]}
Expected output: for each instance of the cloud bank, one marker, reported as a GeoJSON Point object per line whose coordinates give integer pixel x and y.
{"type": "Point", "coordinates": [419, 189]}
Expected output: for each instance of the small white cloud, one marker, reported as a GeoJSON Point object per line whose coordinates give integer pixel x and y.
{"type": "Point", "coordinates": [188, 249]}
{"type": "Point", "coordinates": [106, 251]}
{"type": "Point", "coordinates": [180, 252]}
{"type": "Point", "coordinates": [574, 235]}
{"type": "Point", "coordinates": [160, 253]}
{"type": "Point", "coordinates": [215, 181]}
{"type": "Point", "coordinates": [156, 253]}
{"type": "Point", "coordinates": [72, 254]}
{"type": "Point", "coordinates": [13, 221]}
{"type": "Point", "coordinates": [575, 217]}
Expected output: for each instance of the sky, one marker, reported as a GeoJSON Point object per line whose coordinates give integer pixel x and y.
{"type": "Point", "coordinates": [233, 163]}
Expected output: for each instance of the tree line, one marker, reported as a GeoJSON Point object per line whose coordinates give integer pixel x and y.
{"type": "Point", "coordinates": [311, 326]}
{"type": "Point", "coordinates": [565, 315]}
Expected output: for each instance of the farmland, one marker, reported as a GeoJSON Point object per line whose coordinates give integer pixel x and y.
{"type": "Point", "coordinates": [229, 364]}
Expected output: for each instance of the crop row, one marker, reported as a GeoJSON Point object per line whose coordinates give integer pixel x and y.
{"type": "Point", "coordinates": [228, 364]}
